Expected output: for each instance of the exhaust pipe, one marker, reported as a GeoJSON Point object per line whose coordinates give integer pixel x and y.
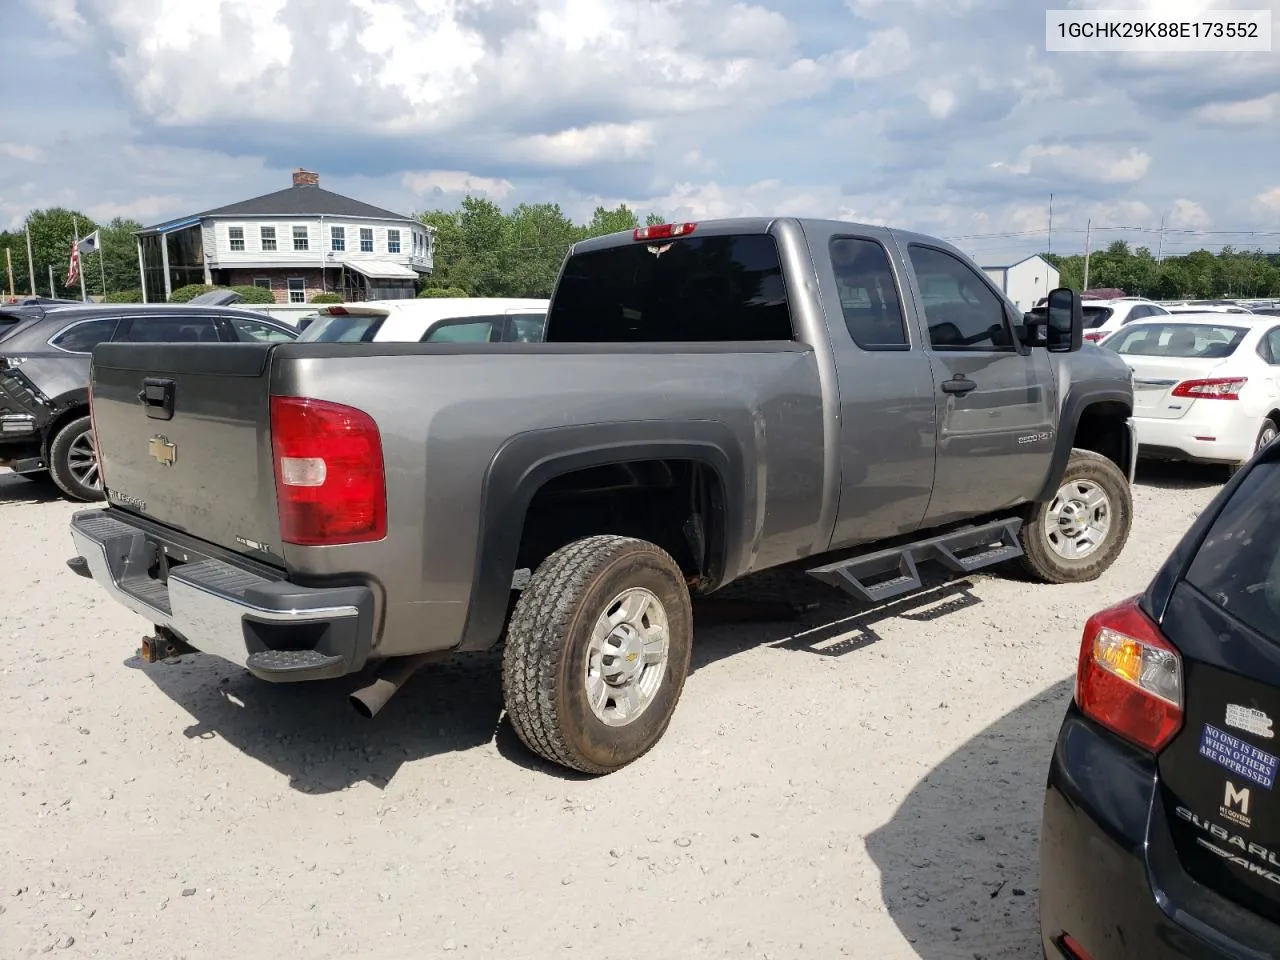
{"type": "Point", "coordinates": [367, 701]}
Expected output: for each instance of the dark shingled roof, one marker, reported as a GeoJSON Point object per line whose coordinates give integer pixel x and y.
{"type": "Point", "coordinates": [299, 201]}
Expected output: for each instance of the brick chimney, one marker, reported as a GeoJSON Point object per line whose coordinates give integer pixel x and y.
{"type": "Point", "coordinates": [305, 178]}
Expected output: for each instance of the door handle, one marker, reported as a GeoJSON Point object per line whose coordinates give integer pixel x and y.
{"type": "Point", "coordinates": [959, 384]}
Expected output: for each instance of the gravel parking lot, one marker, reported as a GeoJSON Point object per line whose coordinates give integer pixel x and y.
{"type": "Point", "coordinates": [861, 783]}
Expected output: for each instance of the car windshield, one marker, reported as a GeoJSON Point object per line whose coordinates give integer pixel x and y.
{"type": "Point", "coordinates": [1238, 565]}
{"type": "Point", "coordinates": [1186, 340]}
{"type": "Point", "coordinates": [344, 328]}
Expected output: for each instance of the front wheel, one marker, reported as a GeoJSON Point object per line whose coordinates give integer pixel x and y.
{"type": "Point", "coordinates": [597, 653]}
{"type": "Point", "coordinates": [73, 461]}
{"type": "Point", "coordinates": [1079, 533]}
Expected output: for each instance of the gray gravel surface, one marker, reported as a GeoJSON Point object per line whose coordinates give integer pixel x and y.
{"type": "Point", "coordinates": [861, 783]}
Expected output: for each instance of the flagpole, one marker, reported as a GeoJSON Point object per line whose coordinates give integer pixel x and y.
{"type": "Point", "coordinates": [31, 261]}
{"type": "Point", "coordinates": [84, 297]}
{"type": "Point", "coordinates": [102, 266]}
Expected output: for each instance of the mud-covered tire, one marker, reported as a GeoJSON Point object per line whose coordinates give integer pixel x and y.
{"type": "Point", "coordinates": [1043, 557]}
{"type": "Point", "coordinates": [545, 663]}
{"type": "Point", "coordinates": [67, 467]}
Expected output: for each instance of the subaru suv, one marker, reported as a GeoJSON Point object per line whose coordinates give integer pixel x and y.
{"type": "Point", "coordinates": [45, 430]}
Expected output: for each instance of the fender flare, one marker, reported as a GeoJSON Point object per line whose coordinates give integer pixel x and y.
{"type": "Point", "coordinates": [523, 464]}
{"type": "Point", "coordinates": [1069, 421]}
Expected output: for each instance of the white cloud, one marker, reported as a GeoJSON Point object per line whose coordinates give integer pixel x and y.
{"type": "Point", "coordinates": [1189, 215]}
{"type": "Point", "coordinates": [1261, 110]}
{"type": "Point", "coordinates": [455, 181]}
{"type": "Point", "coordinates": [584, 145]}
{"type": "Point", "coordinates": [22, 151]}
{"type": "Point", "coordinates": [888, 52]}
{"type": "Point", "coordinates": [751, 30]}
{"type": "Point", "coordinates": [148, 209]}
{"type": "Point", "coordinates": [1092, 164]}
{"type": "Point", "coordinates": [1270, 199]}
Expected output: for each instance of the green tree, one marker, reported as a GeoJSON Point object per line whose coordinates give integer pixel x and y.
{"type": "Point", "coordinates": [612, 221]}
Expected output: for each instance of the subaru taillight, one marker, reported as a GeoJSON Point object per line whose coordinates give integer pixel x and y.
{"type": "Point", "coordinates": [1130, 677]}
{"type": "Point", "coordinates": [1218, 388]}
{"type": "Point", "coordinates": [330, 479]}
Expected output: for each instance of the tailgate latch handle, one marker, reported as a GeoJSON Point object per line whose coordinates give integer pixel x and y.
{"type": "Point", "coordinates": [156, 396]}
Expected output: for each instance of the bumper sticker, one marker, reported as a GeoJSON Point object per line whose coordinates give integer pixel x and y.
{"type": "Point", "coordinates": [1241, 758]}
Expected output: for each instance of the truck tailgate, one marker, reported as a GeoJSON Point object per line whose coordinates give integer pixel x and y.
{"type": "Point", "coordinates": [183, 435]}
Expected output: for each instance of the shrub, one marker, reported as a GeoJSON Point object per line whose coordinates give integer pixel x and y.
{"type": "Point", "coordinates": [254, 294]}
{"type": "Point", "coordinates": [443, 292]}
{"type": "Point", "coordinates": [123, 296]}
{"type": "Point", "coordinates": [189, 292]}
{"type": "Point", "coordinates": [326, 298]}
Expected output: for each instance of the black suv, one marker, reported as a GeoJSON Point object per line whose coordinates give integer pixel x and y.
{"type": "Point", "coordinates": [44, 375]}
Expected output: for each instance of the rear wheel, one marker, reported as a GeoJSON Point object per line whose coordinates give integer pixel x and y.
{"type": "Point", "coordinates": [1268, 433]}
{"type": "Point", "coordinates": [73, 461]}
{"type": "Point", "coordinates": [1077, 535]}
{"type": "Point", "coordinates": [597, 653]}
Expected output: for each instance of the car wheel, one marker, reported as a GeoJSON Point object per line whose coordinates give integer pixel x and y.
{"type": "Point", "coordinates": [1077, 535]}
{"type": "Point", "coordinates": [73, 461]}
{"type": "Point", "coordinates": [597, 651]}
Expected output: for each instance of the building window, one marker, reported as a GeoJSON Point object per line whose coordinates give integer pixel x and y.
{"type": "Point", "coordinates": [300, 240]}
{"type": "Point", "coordinates": [337, 238]}
{"type": "Point", "coordinates": [393, 241]}
{"type": "Point", "coordinates": [297, 290]}
{"type": "Point", "coordinates": [366, 240]}
{"type": "Point", "coordinates": [263, 282]}
{"type": "Point", "coordinates": [268, 236]}
{"type": "Point", "coordinates": [236, 234]}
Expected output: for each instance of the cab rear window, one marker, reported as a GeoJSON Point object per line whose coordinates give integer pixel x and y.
{"type": "Point", "coordinates": [690, 289]}
{"type": "Point", "coordinates": [1238, 565]}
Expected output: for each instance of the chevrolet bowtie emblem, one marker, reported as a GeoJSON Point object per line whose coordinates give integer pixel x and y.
{"type": "Point", "coordinates": [163, 450]}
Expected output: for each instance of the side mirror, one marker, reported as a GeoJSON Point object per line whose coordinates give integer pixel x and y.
{"type": "Point", "coordinates": [1064, 332]}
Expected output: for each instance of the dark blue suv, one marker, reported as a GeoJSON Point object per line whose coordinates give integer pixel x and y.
{"type": "Point", "coordinates": [1161, 833]}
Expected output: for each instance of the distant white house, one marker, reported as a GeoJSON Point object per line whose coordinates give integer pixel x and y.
{"type": "Point", "coordinates": [1026, 281]}
{"type": "Point", "coordinates": [295, 242]}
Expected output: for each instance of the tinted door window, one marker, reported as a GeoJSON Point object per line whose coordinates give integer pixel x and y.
{"type": "Point", "coordinates": [868, 294]}
{"type": "Point", "coordinates": [84, 336]}
{"type": "Point", "coordinates": [527, 328]}
{"type": "Point", "coordinates": [252, 330]}
{"type": "Point", "coordinates": [962, 312]}
{"type": "Point", "coordinates": [690, 289]}
{"type": "Point", "coordinates": [1270, 346]}
{"type": "Point", "coordinates": [1238, 566]}
{"type": "Point", "coordinates": [471, 330]}
{"type": "Point", "coordinates": [169, 330]}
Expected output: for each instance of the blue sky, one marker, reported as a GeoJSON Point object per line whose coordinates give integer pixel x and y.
{"type": "Point", "coordinates": [945, 116]}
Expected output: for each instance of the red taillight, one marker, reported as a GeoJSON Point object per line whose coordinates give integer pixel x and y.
{"type": "Point", "coordinates": [1094, 337]}
{"type": "Point", "coordinates": [1073, 948]}
{"type": "Point", "coordinates": [335, 311]}
{"type": "Point", "coordinates": [1130, 677]}
{"type": "Point", "coordinates": [664, 231]}
{"type": "Point", "coordinates": [1220, 388]}
{"type": "Point", "coordinates": [330, 481]}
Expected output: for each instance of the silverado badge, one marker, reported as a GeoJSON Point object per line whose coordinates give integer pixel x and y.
{"type": "Point", "coordinates": [163, 450]}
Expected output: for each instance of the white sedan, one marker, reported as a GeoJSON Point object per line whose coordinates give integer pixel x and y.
{"type": "Point", "coordinates": [1206, 386]}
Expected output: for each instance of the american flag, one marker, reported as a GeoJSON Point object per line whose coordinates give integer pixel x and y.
{"type": "Point", "coordinates": [73, 272]}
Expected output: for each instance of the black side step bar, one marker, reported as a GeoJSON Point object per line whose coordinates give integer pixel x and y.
{"type": "Point", "coordinates": [885, 574]}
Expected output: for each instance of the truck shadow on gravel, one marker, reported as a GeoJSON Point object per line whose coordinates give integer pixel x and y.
{"type": "Point", "coordinates": [16, 490]}
{"type": "Point", "coordinates": [1167, 475]}
{"type": "Point", "coordinates": [959, 861]}
{"type": "Point", "coordinates": [311, 735]}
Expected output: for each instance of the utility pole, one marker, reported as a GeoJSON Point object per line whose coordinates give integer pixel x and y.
{"type": "Point", "coordinates": [1088, 229]}
{"type": "Point", "coordinates": [52, 292]}
{"type": "Point", "coordinates": [1160, 249]}
{"type": "Point", "coordinates": [1050, 250]}
{"type": "Point", "coordinates": [8, 259]}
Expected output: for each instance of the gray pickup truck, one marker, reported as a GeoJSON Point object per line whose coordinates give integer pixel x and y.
{"type": "Point", "coordinates": [712, 399]}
